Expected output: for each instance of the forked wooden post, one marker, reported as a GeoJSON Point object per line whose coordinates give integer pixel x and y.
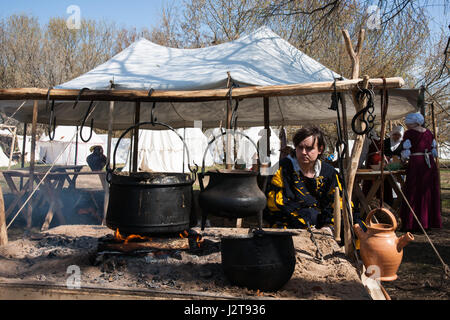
{"type": "Point", "coordinates": [352, 166]}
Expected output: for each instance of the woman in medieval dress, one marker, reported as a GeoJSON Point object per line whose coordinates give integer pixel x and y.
{"type": "Point", "coordinates": [422, 183]}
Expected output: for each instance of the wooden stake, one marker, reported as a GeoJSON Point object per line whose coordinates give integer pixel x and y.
{"type": "Point", "coordinates": [337, 215]}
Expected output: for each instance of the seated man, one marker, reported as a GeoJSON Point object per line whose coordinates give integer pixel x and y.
{"type": "Point", "coordinates": [301, 192]}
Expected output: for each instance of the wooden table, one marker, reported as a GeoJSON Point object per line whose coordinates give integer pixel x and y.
{"type": "Point", "coordinates": [51, 186]}
{"type": "Point", "coordinates": [375, 177]}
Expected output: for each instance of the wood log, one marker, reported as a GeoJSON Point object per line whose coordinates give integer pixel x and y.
{"type": "Point", "coordinates": [154, 244]}
{"type": "Point", "coordinates": [196, 95]}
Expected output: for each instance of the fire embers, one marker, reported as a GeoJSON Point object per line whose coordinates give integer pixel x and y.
{"type": "Point", "coordinates": [195, 239]}
{"type": "Point", "coordinates": [119, 237]}
{"type": "Point", "coordinates": [186, 240]}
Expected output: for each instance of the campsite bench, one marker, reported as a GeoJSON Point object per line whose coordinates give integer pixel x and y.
{"type": "Point", "coordinates": [51, 187]}
{"type": "Point", "coordinates": [375, 177]}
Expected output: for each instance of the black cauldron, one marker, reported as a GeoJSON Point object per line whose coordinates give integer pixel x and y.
{"type": "Point", "coordinates": [263, 260]}
{"type": "Point", "coordinates": [230, 193]}
{"type": "Point", "coordinates": [149, 202]}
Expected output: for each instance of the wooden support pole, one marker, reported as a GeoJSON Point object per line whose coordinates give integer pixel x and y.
{"type": "Point", "coordinates": [32, 160]}
{"type": "Point", "coordinates": [76, 147]}
{"type": "Point", "coordinates": [24, 144]}
{"type": "Point", "coordinates": [228, 151]}
{"type": "Point", "coordinates": [267, 126]}
{"type": "Point", "coordinates": [108, 154]}
{"type": "Point", "coordinates": [337, 215]}
{"type": "Point", "coordinates": [357, 147]}
{"type": "Point", "coordinates": [137, 116]}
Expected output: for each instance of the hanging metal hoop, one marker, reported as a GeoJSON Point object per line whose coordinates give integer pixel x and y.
{"type": "Point", "coordinates": [85, 116]}
{"type": "Point", "coordinates": [52, 120]}
{"type": "Point", "coordinates": [84, 122]}
{"type": "Point", "coordinates": [361, 115]}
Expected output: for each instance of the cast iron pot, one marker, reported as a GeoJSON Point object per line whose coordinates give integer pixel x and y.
{"type": "Point", "coordinates": [149, 202]}
{"type": "Point", "coordinates": [230, 193]}
{"type": "Point", "coordinates": [260, 260]}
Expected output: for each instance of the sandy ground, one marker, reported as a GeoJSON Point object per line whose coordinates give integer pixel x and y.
{"type": "Point", "coordinates": [46, 256]}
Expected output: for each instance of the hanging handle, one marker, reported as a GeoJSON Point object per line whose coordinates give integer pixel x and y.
{"type": "Point", "coordinates": [110, 171]}
{"type": "Point", "coordinates": [52, 121]}
{"type": "Point", "coordinates": [84, 122]}
{"type": "Point", "coordinates": [386, 211]}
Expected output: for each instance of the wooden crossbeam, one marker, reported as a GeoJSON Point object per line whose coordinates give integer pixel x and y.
{"type": "Point", "coordinates": [196, 95]}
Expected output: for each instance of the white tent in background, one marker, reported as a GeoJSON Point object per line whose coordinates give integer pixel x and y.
{"type": "Point", "coordinates": [163, 150]}
{"type": "Point", "coordinates": [246, 150]}
{"type": "Point", "coordinates": [61, 150]}
{"type": "Point", "coordinates": [4, 160]}
{"type": "Point", "coordinates": [123, 149]}
{"type": "Point", "coordinates": [216, 150]}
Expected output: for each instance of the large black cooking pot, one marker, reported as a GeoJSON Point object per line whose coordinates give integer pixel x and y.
{"type": "Point", "coordinates": [263, 260]}
{"type": "Point", "coordinates": [230, 193]}
{"type": "Point", "coordinates": [149, 202]}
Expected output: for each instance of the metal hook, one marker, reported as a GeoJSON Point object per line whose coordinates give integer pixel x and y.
{"type": "Point", "coordinates": [152, 114]}
{"type": "Point", "coordinates": [78, 97]}
{"type": "Point", "coordinates": [52, 120]}
{"type": "Point", "coordinates": [84, 121]}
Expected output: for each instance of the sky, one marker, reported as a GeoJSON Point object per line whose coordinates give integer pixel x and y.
{"type": "Point", "coordinates": [131, 13]}
{"type": "Point", "coordinates": [139, 13]}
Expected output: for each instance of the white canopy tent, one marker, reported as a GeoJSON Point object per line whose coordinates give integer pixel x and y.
{"type": "Point", "coordinates": [260, 58]}
{"type": "Point", "coordinates": [62, 149]}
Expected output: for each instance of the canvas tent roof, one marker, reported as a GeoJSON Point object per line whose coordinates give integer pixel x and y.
{"type": "Point", "coordinates": [260, 58]}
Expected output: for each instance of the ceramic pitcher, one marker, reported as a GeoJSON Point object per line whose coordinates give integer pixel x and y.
{"type": "Point", "coordinates": [381, 250]}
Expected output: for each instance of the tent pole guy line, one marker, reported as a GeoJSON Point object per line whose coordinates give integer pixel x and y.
{"type": "Point", "coordinates": [196, 95]}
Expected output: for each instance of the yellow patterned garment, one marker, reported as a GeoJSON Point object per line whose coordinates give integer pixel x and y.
{"type": "Point", "coordinates": [293, 199]}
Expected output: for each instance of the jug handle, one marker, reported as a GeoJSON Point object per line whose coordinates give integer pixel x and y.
{"type": "Point", "coordinates": [390, 214]}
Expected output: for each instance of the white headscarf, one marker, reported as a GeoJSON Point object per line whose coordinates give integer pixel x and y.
{"type": "Point", "coordinates": [395, 144]}
{"type": "Point", "coordinates": [414, 118]}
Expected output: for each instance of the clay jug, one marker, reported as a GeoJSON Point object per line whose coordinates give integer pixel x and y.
{"type": "Point", "coordinates": [381, 250]}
